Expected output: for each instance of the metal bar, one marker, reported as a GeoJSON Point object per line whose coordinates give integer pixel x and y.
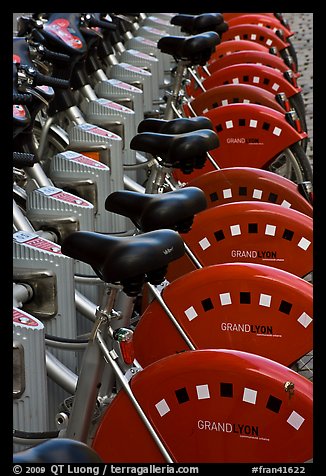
{"type": "Point", "coordinates": [60, 374]}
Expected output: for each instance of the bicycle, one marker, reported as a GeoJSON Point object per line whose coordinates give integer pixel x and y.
{"type": "Point", "coordinates": [157, 405]}
{"type": "Point", "coordinates": [220, 117]}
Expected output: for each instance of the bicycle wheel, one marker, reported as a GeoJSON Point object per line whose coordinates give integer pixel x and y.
{"type": "Point", "coordinates": [293, 163]}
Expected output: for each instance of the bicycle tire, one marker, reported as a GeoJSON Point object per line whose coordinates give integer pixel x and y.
{"type": "Point", "coordinates": [302, 170]}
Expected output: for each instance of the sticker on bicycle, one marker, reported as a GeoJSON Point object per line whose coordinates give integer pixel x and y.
{"type": "Point", "coordinates": [130, 67]}
{"type": "Point", "coordinates": [161, 21]}
{"type": "Point", "coordinates": [15, 59]}
{"type": "Point", "coordinates": [82, 159]}
{"type": "Point", "coordinates": [45, 88]}
{"type": "Point", "coordinates": [123, 85]}
{"type": "Point", "coordinates": [264, 255]}
{"type": "Point", "coordinates": [59, 194]}
{"type": "Point", "coordinates": [156, 31]}
{"type": "Point", "coordinates": [114, 105]}
{"type": "Point", "coordinates": [35, 241]}
{"type": "Point", "coordinates": [21, 317]}
{"type": "Point", "coordinates": [99, 131]}
{"type": "Point", "coordinates": [146, 41]}
{"type": "Point", "coordinates": [18, 110]}
{"type": "Point", "coordinates": [60, 27]}
{"type": "Point", "coordinates": [140, 54]}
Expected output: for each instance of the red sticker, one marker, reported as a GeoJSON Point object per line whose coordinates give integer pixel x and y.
{"type": "Point", "coordinates": [16, 59]}
{"type": "Point", "coordinates": [59, 27]}
{"type": "Point", "coordinates": [21, 318]}
{"type": "Point", "coordinates": [43, 244]}
{"type": "Point", "coordinates": [18, 111]}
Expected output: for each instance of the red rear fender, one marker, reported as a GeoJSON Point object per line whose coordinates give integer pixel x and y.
{"type": "Point", "coordinates": [244, 183]}
{"type": "Point", "coordinates": [243, 306]}
{"type": "Point", "coordinates": [256, 232]}
{"type": "Point", "coordinates": [260, 19]}
{"type": "Point", "coordinates": [256, 33]}
{"type": "Point", "coordinates": [211, 406]}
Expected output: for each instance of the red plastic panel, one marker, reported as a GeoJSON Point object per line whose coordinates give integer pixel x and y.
{"type": "Point", "coordinates": [258, 19]}
{"type": "Point", "coordinates": [212, 406]}
{"type": "Point", "coordinates": [249, 56]}
{"type": "Point", "coordinates": [256, 232]}
{"type": "Point", "coordinates": [263, 76]}
{"type": "Point", "coordinates": [242, 306]}
{"type": "Point", "coordinates": [250, 135]}
{"type": "Point", "coordinates": [234, 93]}
{"type": "Point", "coordinates": [245, 183]}
{"type": "Point", "coordinates": [260, 34]}
{"type": "Point", "coordinates": [227, 47]}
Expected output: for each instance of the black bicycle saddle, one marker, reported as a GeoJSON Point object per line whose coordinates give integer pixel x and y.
{"type": "Point", "coordinates": [174, 210]}
{"type": "Point", "coordinates": [129, 260]}
{"type": "Point", "coordinates": [184, 151]}
{"type": "Point", "coordinates": [195, 49]}
{"type": "Point", "coordinates": [195, 24]}
{"type": "Point", "coordinates": [179, 125]}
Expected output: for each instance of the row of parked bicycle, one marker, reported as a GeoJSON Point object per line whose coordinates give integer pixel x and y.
{"type": "Point", "coordinates": [163, 236]}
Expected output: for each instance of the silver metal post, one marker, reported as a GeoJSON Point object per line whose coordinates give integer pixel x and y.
{"type": "Point", "coordinates": [37, 173]}
{"type": "Point", "coordinates": [44, 133]}
{"type": "Point", "coordinates": [60, 374]}
{"type": "Point", "coordinates": [20, 222]}
{"type": "Point", "coordinates": [173, 96]}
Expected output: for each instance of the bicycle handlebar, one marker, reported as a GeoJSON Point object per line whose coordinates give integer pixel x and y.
{"type": "Point", "coordinates": [22, 98]}
{"type": "Point", "coordinates": [23, 159]}
{"type": "Point", "coordinates": [53, 55]}
{"type": "Point", "coordinates": [42, 79]}
{"type": "Point", "coordinates": [39, 79]}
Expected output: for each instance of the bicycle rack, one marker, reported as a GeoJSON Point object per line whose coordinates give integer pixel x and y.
{"type": "Point", "coordinates": [148, 46]}
{"type": "Point", "coordinates": [123, 93]}
{"type": "Point", "coordinates": [245, 307]}
{"type": "Point", "coordinates": [40, 263]}
{"type": "Point", "coordinates": [141, 78]}
{"type": "Point", "coordinates": [217, 406]}
{"type": "Point", "coordinates": [116, 118]}
{"type": "Point", "coordinates": [30, 408]}
{"type": "Point", "coordinates": [144, 61]}
{"type": "Point", "coordinates": [86, 177]}
{"type": "Point", "coordinates": [247, 183]}
{"type": "Point", "coordinates": [105, 146]}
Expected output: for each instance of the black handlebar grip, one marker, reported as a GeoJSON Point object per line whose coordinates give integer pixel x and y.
{"type": "Point", "coordinates": [42, 79]}
{"type": "Point", "coordinates": [23, 159]}
{"type": "Point", "coordinates": [54, 56]}
{"type": "Point", "coordinates": [19, 98]}
{"type": "Point", "coordinates": [102, 24]}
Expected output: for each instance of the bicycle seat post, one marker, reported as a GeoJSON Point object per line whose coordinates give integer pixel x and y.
{"type": "Point", "coordinates": [172, 96]}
